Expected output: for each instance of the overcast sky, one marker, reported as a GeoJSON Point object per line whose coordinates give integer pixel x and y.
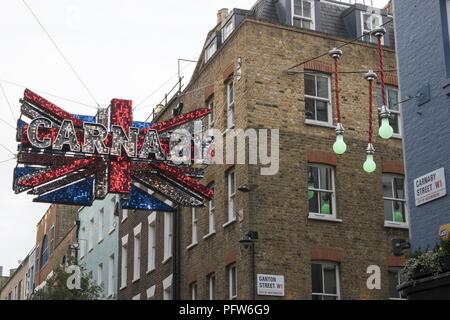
{"type": "Point", "coordinates": [121, 49]}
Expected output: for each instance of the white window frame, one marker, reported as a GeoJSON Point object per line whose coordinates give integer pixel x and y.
{"type": "Point", "coordinates": [111, 276]}
{"type": "Point", "coordinates": [81, 242]}
{"type": "Point", "coordinates": [319, 216]}
{"type": "Point", "coordinates": [395, 270]}
{"type": "Point", "coordinates": [311, 19]}
{"type": "Point", "coordinates": [210, 50]}
{"type": "Point", "coordinates": [393, 224]}
{"type": "Point", "coordinates": [194, 291]}
{"type": "Point", "coordinates": [151, 259]}
{"type": "Point", "coordinates": [124, 263]}
{"type": "Point", "coordinates": [194, 227]}
{"type": "Point", "coordinates": [167, 288]}
{"type": "Point", "coordinates": [112, 226]}
{"type": "Point", "coordinates": [91, 235]}
{"type": "Point", "coordinates": [372, 39]}
{"type": "Point", "coordinates": [329, 101]}
{"type": "Point", "coordinates": [231, 111]}
{"type": "Point", "coordinates": [211, 116]}
{"type": "Point", "coordinates": [137, 253]}
{"type": "Point", "coordinates": [212, 286]}
{"type": "Point", "coordinates": [228, 29]}
{"type": "Point", "coordinates": [397, 113]}
{"type": "Point", "coordinates": [211, 216]}
{"type": "Point", "coordinates": [232, 296]}
{"type": "Point", "coordinates": [101, 225]}
{"type": "Point", "coordinates": [338, 285]}
{"type": "Point", "coordinates": [168, 236]}
{"type": "Point", "coordinates": [100, 274]}
{"type": "Point", "coordinates": [231, 197]}
{"type": "Point", "coordinates": [151, 293]}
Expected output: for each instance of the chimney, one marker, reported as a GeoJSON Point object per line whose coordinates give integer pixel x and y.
{"type": "Point", "coordinates": [221, 15]}
{"type": "Point", "coordinates": [1, 271]}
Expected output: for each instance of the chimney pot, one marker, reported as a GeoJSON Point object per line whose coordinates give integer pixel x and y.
{"type": "Point", "coordinates": [1, 271]}
{"type": "Point", "coordinates": [221, 15]}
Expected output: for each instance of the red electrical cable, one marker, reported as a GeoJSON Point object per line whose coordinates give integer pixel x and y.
{"type": "Point", "coordinates": [380, 61]}
{"type": "Point", "coordinates": [370, 112]}
{"type": "Point", "coordinates": [336, 83]}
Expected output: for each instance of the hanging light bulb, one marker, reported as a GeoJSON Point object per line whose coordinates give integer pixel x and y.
{"type": "Point", "coordinates": [340, 147]}
{"type": "Point", "coordinates": [386, 131]}
{"type": "Point", "coordinates": [370, 166]}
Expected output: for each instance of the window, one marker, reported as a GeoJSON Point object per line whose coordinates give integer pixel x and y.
{"type": "Point", "coordinates": [124, 268]}
{"type": "Point", "coordinates": [321, 194]}
{"type": "Point", "coordinates": [210, 50]}
{"type": "Point", "coordinates": [101, 222]}
{"type": "Point", "coordinates": [44, 252]}
{"type": "Point", "coordinates": [124, 215]}
{"type": "Point", "coordinates": [151, 242]}
{"type": "Point", "coordinates": [137, 254]}
{"type": "Point", "coordinates": [82, 242]}
{"type": "Point", "coordinates": [325, 281]}
{"type": "Point", "coordinates": [231, 180]}
{"type": "Point", "coordinates": [91, 235]}
{"type": "Point", "coordinates": [151, 293]}
{"type": "Point", "coordinates": [210, 105]}
{"type": "Point", "coordinates": [52, 240]}
{"type": "Point", "coordinates": [228, 29]}
{"type": "Point", "coordinates": [394, 108]}
{"type": "Point", "coordinates": [168, 222]}
{"type": "Point", "coordinates": [212, 287]}
{"type": "Point", "coordinates": [230, 104]}
{"type": "Point", "coordinates": [167, 288]}
{"type": "Point", "coordinates": [193, 288]}
{"type": "Point", "coordinates": [111, 276]}
{"type": "Point", "coordinates": [303, 14]}
{"type": "Point", "coordinates": [113, 210]}
{"type": "Point", "coordinates": [369, 22]}
{"type": "Point", "coordinates": [318, 99]}
{"type": "Point", "coordinates": [194, 221]}
{"type": "Point", "coordinates": [212, 215]}
{"type": "Point", "coordinates": [394, 200]}
{"type": "Point", "coordinates": [394, 281]}
{"type": "Point", "coordinates": [100, 274]}
{"type": "Point", "coordinates": [232, 282]}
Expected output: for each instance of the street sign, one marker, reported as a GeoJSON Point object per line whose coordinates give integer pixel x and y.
{"type": "Point", "coordinates": [270, 285]}
{"type": "Point", "coordinates": [430, 187]}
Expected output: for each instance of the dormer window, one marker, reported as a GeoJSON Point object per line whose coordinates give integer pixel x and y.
{"type": "Point", "coordinates": [228, 29]}
{"type": "Point", "coordinates": [303, 14]}
{"type": "Point", "coordinates": [369, 22]}
{"type": "Point", "coordinates": [210, 50]}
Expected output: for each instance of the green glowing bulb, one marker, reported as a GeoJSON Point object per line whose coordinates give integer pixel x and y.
{"type": "Point", "coordinates": [340, 147]}
{"type": "Point", "coordinates": [370, 165]}
{"type": "Point", "coordinates": [311, 193]}
{"type": "Point", "coordinates": [325, 207]}
{"type": "Point", "coordinates": [386, 131]}
{"type": "Point", "coordinates": [398, 216]}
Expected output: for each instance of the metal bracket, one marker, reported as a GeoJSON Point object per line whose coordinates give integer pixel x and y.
{"type": "Point", "coordinates": [423, 94]}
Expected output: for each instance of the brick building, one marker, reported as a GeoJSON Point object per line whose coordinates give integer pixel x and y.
{"type": "Point", "coordinates": [322, 246]}
{"type": "Point", "coordinates": [16, 286]}
{"type": "Point", "coordinates": [56, 232]}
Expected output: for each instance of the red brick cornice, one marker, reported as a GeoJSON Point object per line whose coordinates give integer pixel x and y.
{"type": "Point", "coordinates": [228, 72]}
{"type": "Point", "coordinates": [396, 262]}
{"type": "Point", "coordinates": [319, 66]}
{"type": "Point", "coordinates": [396, 167]}
{"type": "Point", "coordinates": [321, 157]}
{"type": "Point", "coordinates": [389, 79]}
{"type": "Point", "coordinates": [209, 92]}
{"type": "Point", "coordinates": [230, 258]}
{"type": "Point", "coordinates": [326, 254]}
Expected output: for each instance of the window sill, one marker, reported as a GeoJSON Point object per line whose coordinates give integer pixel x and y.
{"type": "Point", "coordinates": [100, 241]}
{"type": "Point", "coordinates": [150, 270]}
{"type": "Point", "coordinates": [229, 223]}
{"type": "Point", "coordinates": [135, 280]}
{"type": "Point", "coordinates": [90, 250]}
{"type": "Point", "coordinates": [210, 235]}
{"type": "Point", "coordinates": [320, 124]}
{"type": "Point", "coordinates": [111, 231]}
{"type": "Point", "coordinates": [192, 246]}
{"type": "Point", "coordinates": [394, 225]}
{"type": "Point", "coordinates": [167, 260]}
{"type": "Point", "coordinates": [228, 130]}
{"type": "Point", "coordinates": [397, 136]}
{"type": "Point", "coordinates": [124, 219]}
{"type": "Point", "coordinates": [123, 288]}
{"type": "Point", "coordinates": [320, 217]}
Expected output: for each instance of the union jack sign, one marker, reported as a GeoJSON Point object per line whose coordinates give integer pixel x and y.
{"type": "Point", "coordinates": [72, 159]}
